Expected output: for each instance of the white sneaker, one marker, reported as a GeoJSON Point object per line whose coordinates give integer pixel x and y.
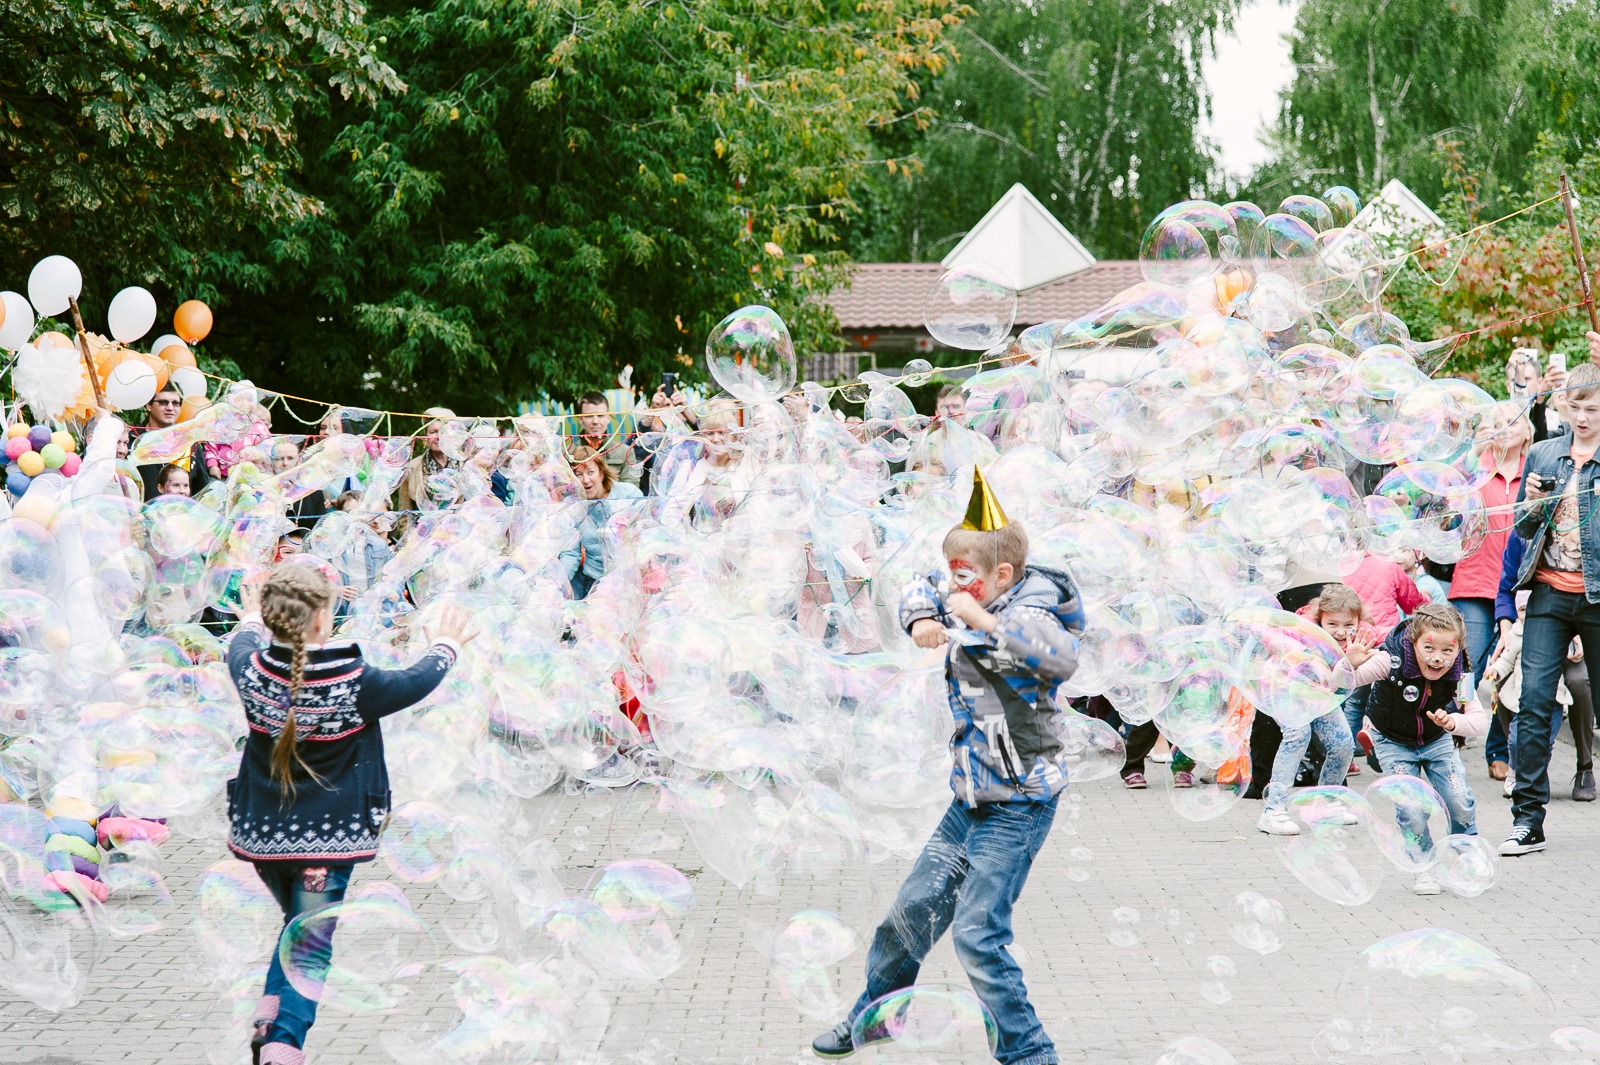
{"type": "Point", "coordinates": [1511, 783]}
{"type": "Point", "coordinates": [1342, 817]}
{"type": "Point", "coordinates": [1277, 823]}
{"type": "Point", "coordinates": [1425, 884]}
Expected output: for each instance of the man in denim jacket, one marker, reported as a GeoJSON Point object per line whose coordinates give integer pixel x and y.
{"type": "Point", "coordinates": [1556, 514]}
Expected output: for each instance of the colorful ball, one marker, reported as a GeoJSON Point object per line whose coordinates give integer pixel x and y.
{"type": "Point", "coordinates": [17, 446]}
{"type": "Point", "coordinates": [16, 429]}
{"type": "Point", "coordinates": [39, 436]}
{"type": "Point", "coordinates": [53, 455]}
{"type": "Point", "coordinates": [31, 463]}
{"type": "Point", "coordinates": [69, 468]}
{"type": "Point", "coordinates": [64, 440]}
{"type": "Point", "coordinates": [17, 483]}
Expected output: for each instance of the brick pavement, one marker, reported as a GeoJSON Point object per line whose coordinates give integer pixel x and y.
{"type": "Point", "coordinates": [1104, 1003]}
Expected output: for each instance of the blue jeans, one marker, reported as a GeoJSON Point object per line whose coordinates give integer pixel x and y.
{"type": "Point", "coordinates": [1553, 619]}
{"type": "Point", "coordinates": [1334, 731]}
{"type": "Point", "coordinates": [300, 889]}
{"type": "Point", "coordinates": [968, 878]}
{"type": "Point", "coordinates": [1479, 616]}
{"type": "Point", "coordinates": [1441, 765]}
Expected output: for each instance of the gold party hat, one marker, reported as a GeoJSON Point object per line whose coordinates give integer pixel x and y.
{"type": "Point", "coordinates": [983, 509]}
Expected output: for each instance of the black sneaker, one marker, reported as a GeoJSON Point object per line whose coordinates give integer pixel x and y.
{"type": "Point", "coordinates": [1524, 839]}
{"type": "Point", "coordinates": [1583, 786]}
{"type": "Point", "coordinates": [834, 1043]}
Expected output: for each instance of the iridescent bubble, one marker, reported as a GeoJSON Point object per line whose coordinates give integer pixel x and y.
{"type": "Point", "coordinates": [927, 1017]}
{"type": "Point", "coordinates": [1259, 922]}
{"type": "Point", "coordinates": [236, 920]}
{"type": "Point", "coordinates": [1409, 821]}
{"type": "Point", "coordinates": [384, 952]}
{"type": "Point", "coordinates": [1310, 210]}
{"type": "Point", "coordinates": [30, 559]}
{"type": "Point", "coordinates": [1195, 1050]}
{"type": "Point", "coordinates": [1334, 854]}
{"type": "Point", "coordinates": [750, 354]}
{"type": "Point", "coordinates": [1081, 860]}
{"type": "Point", "coordinates": [1174, 252]}
{"type": "Point", "coordinates": [1343, 204]}
{"type": "Point", "coordinates": [1466, 865]}
{"type": "Point", "coordinates": [652, 907]}
{"type": "Point", "coordinates": [805, 954]}
{"type": "Point", "coordinates": [970, 308]}
{"type": "Point", "coordinates": [1215, 982]}
{"type": "Point", "coordinates": [1124, 921]}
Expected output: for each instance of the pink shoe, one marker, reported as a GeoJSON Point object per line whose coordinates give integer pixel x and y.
{"type": "Point", "coordinates": [1354, 770]}
{"type": "Point", "coordinates": [1183, 779]}
{"type": "Point", "coordinates": [1135, 782]}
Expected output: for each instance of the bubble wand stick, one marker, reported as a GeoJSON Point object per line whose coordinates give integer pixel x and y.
{"type": "Point", "coordinates": [1577, 254]}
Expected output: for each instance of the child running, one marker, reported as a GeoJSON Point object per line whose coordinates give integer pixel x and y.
{"type": "Point", "coordinates": [1012, 638]}
{"type": "Point", "coordinates": [1417, 713]}
{"type": "Point", "coordinates": [312, 792]}
{"type": "Point", "coordinates": [1338, 611]}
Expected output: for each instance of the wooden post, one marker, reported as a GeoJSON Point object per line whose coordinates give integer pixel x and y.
{"type": "Point", "coordinates": [83, 349]}
{"type": "Point", "coordinates": [1577, 254]}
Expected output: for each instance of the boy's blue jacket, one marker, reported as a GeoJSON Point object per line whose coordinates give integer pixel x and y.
{"type": "Point", "coordinates": [1002, 687]}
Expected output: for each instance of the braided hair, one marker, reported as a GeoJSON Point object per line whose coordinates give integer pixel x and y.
{"type": "Point", "coordinates": [290, 601]}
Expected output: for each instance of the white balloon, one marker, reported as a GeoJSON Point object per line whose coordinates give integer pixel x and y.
{"type": "Point", "coordinates": [53, 282]}
{"type": "Point", "coordinates": [131, 384]}
{"type": "Point", "coordinates": [165, 341]}
{"type": "Point", "coordinates": [189, 382]}
{"type": "Point", "coordinates": [18, 326]}
{"type": "Point", "coordinates": [132, 313]}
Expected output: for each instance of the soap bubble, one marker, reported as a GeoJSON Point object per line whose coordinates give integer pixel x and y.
{"type": "Point", "coordinates": [236, 920]}
{"type": "Point", "coordinates": [1174, 252]}
{"type": "Point", "coordinates": [1080, 858]}
{"type": "Point", "coordinates": [384, 951]}
{"type": "Point", "coordinates": [1342, 203]}
{"type": "Point", "coordinates": [1259, 922]}
{"type": "Point", "coordinates": [1124, 919]}
{"type": "Point", "coordinates": [806, 954]}
{"type": "Point", "coordinates": [970, 308]}
{"type": "Point", "coordinates": [1334, 854]}
{"type": "Point", "coordinates": [1195, 1050]}
{"type": "Point", "coordinates": [1409, 821]}
{"type": "Point", "coordinates": [924, 1017]}
{"type": "Point", "coordinates": [1214, 987]}
{"type": "Point", "coordinates": [642, 923]}
{"type": "Point", "coordinates": [1466, 865]}
{"type": "Point", "coordinates": [750, 354]}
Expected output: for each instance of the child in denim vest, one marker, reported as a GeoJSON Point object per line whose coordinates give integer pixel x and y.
{"type": "Point", "coordinates": [1010, 631]}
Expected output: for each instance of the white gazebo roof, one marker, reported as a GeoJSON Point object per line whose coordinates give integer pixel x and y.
{"type": "Point", "coordinates": [1022, 239]}
{"type": "Point", "coordinates": [1397, 211]}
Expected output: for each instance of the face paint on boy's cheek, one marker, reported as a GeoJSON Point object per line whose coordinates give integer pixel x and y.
{"type": "Point", "coordinates": [964, 578]}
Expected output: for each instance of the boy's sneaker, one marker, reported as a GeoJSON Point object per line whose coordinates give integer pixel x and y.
{"type": "Point", "coordinates": [1583, 786]}
{"type": "Point", "coordinates": [1426, 884]}
{"type": "Point", "coordinates": [1277, 823]}
{"type": "Point", "coordinates": [1524, 839]}
{"type": "Point", "coordinates": [834, 1043]}
{"type": "Point", "coordinates": [1135, 782]}
{"type": "Point", "coordinates": [1183, 779]}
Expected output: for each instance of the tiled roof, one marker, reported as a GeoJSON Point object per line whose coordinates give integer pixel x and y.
{"type": "Point", "coordinates": [892, 295]}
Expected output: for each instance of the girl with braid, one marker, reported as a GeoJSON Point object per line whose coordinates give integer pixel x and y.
{"type": "Point", "coordinates": [312, 792]}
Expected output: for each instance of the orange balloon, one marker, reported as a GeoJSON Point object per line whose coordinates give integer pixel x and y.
{"type": "Point", "coordinates": [176, 356]}
{"type": "Point", "coordinates": [157, 366]}
{"type": "Point", "coordinates": [1230, 284]}
{"type": "Point", "coordinates": [54, 338]}
{"type": "Point", "coordinates": [192, 321]}
{"type": "Point", "coordinates": [192, 406]}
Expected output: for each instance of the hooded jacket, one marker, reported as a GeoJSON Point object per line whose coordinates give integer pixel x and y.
{"type": "Point", "coordinates": [1002, 686]}
{"type": "Point", "coordinates": [1398, 704]}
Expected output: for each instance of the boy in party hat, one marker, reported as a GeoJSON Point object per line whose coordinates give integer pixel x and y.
{"type": "Point", "coordinates": [1011, 634]}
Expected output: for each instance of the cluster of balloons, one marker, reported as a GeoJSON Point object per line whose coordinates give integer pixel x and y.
{"type": "Point", "coordinates": [49, 373]}
{"type": "Point", "coordinates": [732, 711]}
{"type": "Point", "coordinates": [31, 450]}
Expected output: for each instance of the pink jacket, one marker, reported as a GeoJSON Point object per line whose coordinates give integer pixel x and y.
{"type": "Point", "coordinates": [1386, 589]}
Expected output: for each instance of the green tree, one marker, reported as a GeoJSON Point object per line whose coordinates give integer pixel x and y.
{"type": "Point", "coordinates": [568, 188]}
{"type": "Point", "coordinates": [1094, 106]}
{"type": "Point", "coordinates": [140, 136]}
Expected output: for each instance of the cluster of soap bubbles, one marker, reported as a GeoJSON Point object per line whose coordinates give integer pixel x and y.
{"type": "Point", "coordinates": [732, 710]}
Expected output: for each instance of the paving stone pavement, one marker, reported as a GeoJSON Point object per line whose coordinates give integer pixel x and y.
{"type": "Point", "coordinates": [1103, 1003]}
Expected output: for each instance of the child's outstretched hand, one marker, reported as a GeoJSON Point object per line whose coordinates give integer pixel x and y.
{"type": "Point", "coordinates": [928, 633]}
{"type": "Point", "coordinates": [250, 595]}
{"type": "Point", "coordinates": [456, 624]}
{"type": "Point", "coordinates": [967, 609]}
{"type": "Point", "coordinates": [1444, 720]}
{"type": "Point", "coordinates": [1358, 650]}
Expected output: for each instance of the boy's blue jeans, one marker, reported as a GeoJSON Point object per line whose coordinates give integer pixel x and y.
{"type": "Point", "coordinates": [1439, 763]}
{"type": "Point", "coordinates": [300, 889]}
{"type": "Point", "coordinates": [967, 879]}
